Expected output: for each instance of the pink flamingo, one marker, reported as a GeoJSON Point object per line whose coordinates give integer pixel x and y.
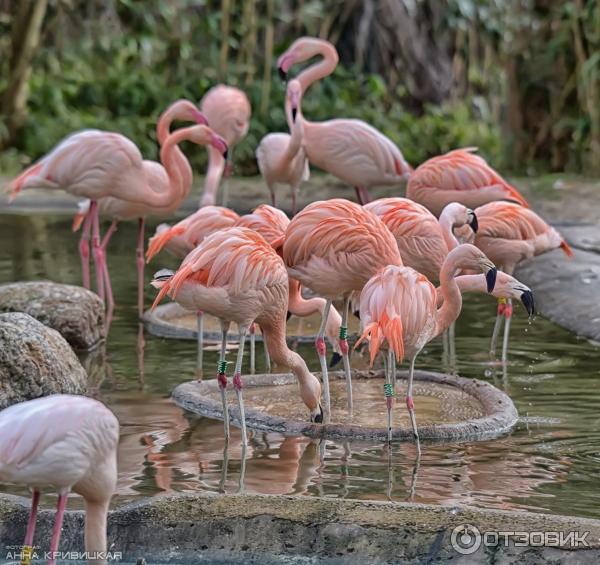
{"type": "Point", "coordinates": [236, 276]}
{"type": "Point", "coordinates": [69, 443]}
{"type": "Point", "coordinates": [398, 305]}
{"type": "Point", "coordinates": [272, 223]}
{"type": "Point", "coordinates": [423, 240]}
{"type": "Point", "coordinates": [351, 150]}
{"type": "Point", "coordinates": [122, 209]}
{"type": "Point", "coordinates": [281, 157]}
{"type": "Point", "coordinates": [182, 238]}
{"type": "Point", "coordinates": [509, 234]}
{"type": "Point", "coordinates": [333, 247]}
{"type": "Point", "coordinates": [95, 164]}
{"type": "Point", "coordinates": [185, 235]}
{"type": "Point", "coordinates": [458, 176]}
{"type": "Point", "coordinates": [228, 112]}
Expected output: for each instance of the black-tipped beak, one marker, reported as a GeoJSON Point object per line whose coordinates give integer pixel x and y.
{"type": "Point", "coordinates": [335, 359]}
{"type": "Point", "coordinates": [527, 300]}
{"type": "Point", "coordinates": [490, 278]}
{"type": "Point", "coordinates": [474, 223]}
{"type": "Point", "coordinates": [225, 154]}
{"type": "Point", "coordinates": [357, 313]}
{"type": "Point", "coordinates": [318, 418]}
{"type": "Point", "coordinates": [282, 74]}
{"type": "Point", "coordinates": [294, 113]}
{"type": "Point", "coordinates": [288, 315]}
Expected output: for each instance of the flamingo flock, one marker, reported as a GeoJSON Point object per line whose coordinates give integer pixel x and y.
{"type": "Point", "coordinates": [459, 222]}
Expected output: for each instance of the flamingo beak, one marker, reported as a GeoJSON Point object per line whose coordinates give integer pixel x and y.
{"type": "Point", "coordinates": [200, 118]}
{"type": "Point", "coordinates": [220, 145]}
{"type": "Point", "coordinates": [527, 300]}
{"type": "Point", "coordinates": [473, 222]}
{"type": "Point", "coordinates": [294, 112]}
{"type": "Point", "coordinates": [288, 315]}
{"type": "Point", "coordinates": [283, 65]}
{"type": "Point", "coordinates": [335, 359]}
{"type": "Point", "coordinates": [317, 418]}
{"type": "Point", "coordinates": [282, 74]}
{"type": "Point", "coordinates": [490, 278]}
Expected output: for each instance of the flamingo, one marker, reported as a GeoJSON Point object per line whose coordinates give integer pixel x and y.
{"type": "Point", "coordinates": [398, 306]}
{"type": "Point", "coordinates": [185, 235]}
{"type": "Point", "coordinates": [228, 111]}
{"type": "Point", "coordinates": [459, 176]}
{"type": "Point", "coordinates": [509, 234]}
{"type": "Point", "coordinates": [333, 247]}
{"type": "Point", "coordinates": [271, 223]}
{"type": "Point", "coordinates": [235, 275]}
{"type": "Point", "coordinates": [182, 238]}
{"type": "Point", "coordinates": [94, 164]}
{"type": "Point", "coordinates": [67, 442]}
{"type": "Point", "coordinates": [423, 240]}
{"type": "Point", "coordinates": [281, 157]}
{"type": "Point", "coordinates": [351, 150]}
{"type": "Point", "coordinates": [123, 210]}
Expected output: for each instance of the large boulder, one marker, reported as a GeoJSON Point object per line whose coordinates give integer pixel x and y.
{"type": "Point", "coordinates": [75, 312]}
{"type": "Point", "coordinates": [35, 361]}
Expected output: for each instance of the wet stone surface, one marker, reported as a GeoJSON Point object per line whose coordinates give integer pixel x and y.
{"type": "Point", "coordinates": [35, 361]}
{"type": "Point", "coordinates": [75, 312]}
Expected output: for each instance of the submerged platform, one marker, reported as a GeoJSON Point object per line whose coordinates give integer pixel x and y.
{"type": "Point", "coordinates": [174, 322]}
{"type": "Point", "coordinates": [447, 407]}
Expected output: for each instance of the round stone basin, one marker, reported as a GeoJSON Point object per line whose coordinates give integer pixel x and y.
{"type": "Point", "coordinates": [172, 321]}
{"type": "Point", "coordinates": [447, 407]}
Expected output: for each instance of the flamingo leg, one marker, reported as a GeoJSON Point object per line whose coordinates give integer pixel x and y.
{"type": "Point", "coordinates": [272, 191]}
{"type": "Point", "coordinates": [224, 466]}
{"type": "Point", "coordinates": [411, 405]}
{"type": "Point", "coordinates": [508, 317]}
{"type": "Point", "coordinates": [97, 251]}
{"type": "Point", "coordinates": [58, 520]}
{"type": "Point", "coordinates": [200, 344]}
{"type": "Point", "coordinates": [394, 370]}
{"type": "Point", "coordinates": [222, 378]}
{"type": "Point", "coordinates": [139, 255]}
{"type": "Point", "coordinates": [241, 487]}
{"type": "Point", "coordinates": [452, 346]}
{"type": "Point", "coordinates": [343, 343]}
{"type": "Point", "coordinates": [28, 543]}
{"type": "Point", "coordinates": [362, 194]}
{"type": "Point", "coordinates": [267, 357]}
{"type": "Point", "coordinates": [252, 348]}
{"type": "Point", "coordinates": [109, 233]}
{"type": "Point", "coordinates": [237, 384]}
{"type": "Point", "coordinates": [322, 353]}
{"type": "Point", "coordinates": [388, 390]}
{"type": "Point", "coordinates": [497, 326]}
{"type": "Point", "coordinates": [84, 248]}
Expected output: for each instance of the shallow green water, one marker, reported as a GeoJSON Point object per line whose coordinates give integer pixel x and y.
{"type": "Point", "coordinates": [549, 463]}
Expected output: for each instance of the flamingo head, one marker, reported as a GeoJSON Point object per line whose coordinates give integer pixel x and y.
{"type": "Point", "coordinates": [203, 135]}
{"type": "Point", "coordinates": [310, 392]}
{"type": "Point", "coordinates": [161, 277]}
{"type": "Point", "coordinates": [469, 257]}
{"type": "Point", "coordinates": [458, 215]}
{"type": "Point", "coordinates": [508, 286]}
{"type": "Point", "coordinates": [82, 210]}
{"type": "Point", "coordinates": [186, 111]}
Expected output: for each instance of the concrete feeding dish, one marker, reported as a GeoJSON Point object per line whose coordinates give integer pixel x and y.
{"type": "Point", "coordinates": [174, 322]}
{"type": "Point", "coordinates": [448, 407]}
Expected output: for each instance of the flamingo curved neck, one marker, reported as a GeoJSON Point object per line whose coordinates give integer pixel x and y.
{"type": "Point", "coordinates": [450, 292]}
{"type": "Point", "coordinates": [163, 129]}
{"type": "Point", "coordinates": [321, 69]}
{"type": "Point", "coordinates": [446, 222]}
{"type": "Point", "coordinates": [300, 306]}
{"type": "Point", "coordinates": [274, 335]}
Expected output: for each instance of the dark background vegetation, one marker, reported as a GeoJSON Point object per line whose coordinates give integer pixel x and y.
{"type": "Point", "coordinates": [518, 78]}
